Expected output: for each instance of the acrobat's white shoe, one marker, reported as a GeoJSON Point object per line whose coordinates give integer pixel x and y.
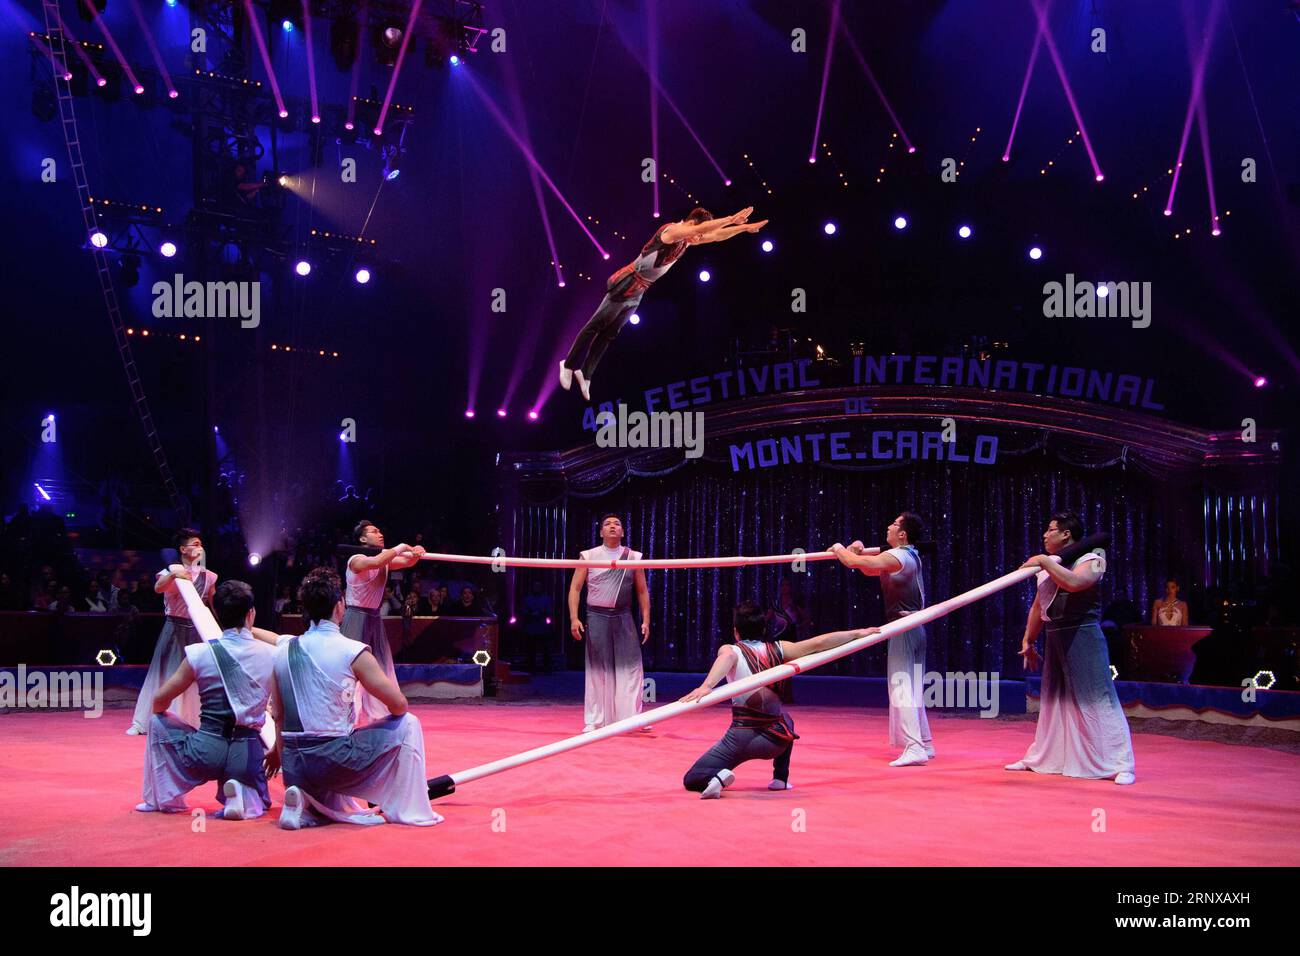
{"type": "Point", "coordinates": [566, 376]}
{"type": "Point", "coordinates": [1018, 765]}
{"type": "Point", "coordinates": [1125, 778]}
{"type": "Point", "coordinates": [584, 384]}
{"type": "Point", "coordinates": [721, 780]}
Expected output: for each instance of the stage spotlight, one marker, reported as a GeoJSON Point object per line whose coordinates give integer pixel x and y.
{"type": "Point", "coordinates": [963, 231]}
{"type": "Point", "coordinates": [900, 223]}
{"type": "Point", "coordinates": [98, 239]}
{"type": "Point", "coordinates": [829, 228]}
{"type": "Point", "coordinates": [286, 26]}
{"type": "Point", "coordinates": [129, 267]}
{"type": "Point", "coordinates": [1100, 177]}
{"type": "Point", "coordinates": [1260, 381]}
{"type": "Point", "coordinates": [634, 319]}
{"type": "Point", "coordinates": [705, 275]}
{"type": "Point", "coordinates": [171, 3]}
{"type": "Point", "coordinates": [168, 249]}
{"type": "Point", "coordinates": [283, 180]}
{"type": "Point", "coordinates": [303, 267]}
{"type": "Point", "coordinates": [284, 114]}
{"type": "Point", "coordinates": [138, 89]}
{"type": "Point", "coordinates": [532, 415]}
{"type": "Point", "coordinates": [1103, 290]}
{"type": "Point", "coordinates": [254, 559]}
{"type": "Point", "coordinates": [44, 494]}
{"type": "Point", "coordinates": [1035, 253]}
{"type": "Point", "coordinates": [455, 60]}
{"type": "Point", "coordinates": [392, 36]}
{"type": "Point", "coordinates": [767, 245]}
{"type": "Point", "coordinates": [101, 82]}
{"type": "Point", "coordinates": [363, 276]}
{"type": "Point", "coordinates": [911, 149]}
{"type": "Point", "coordinates": [501, 413]}
{"type": "Point", "coordinates": [469, 413]}
{"type": "Point", "coordinates": [1169, 212]}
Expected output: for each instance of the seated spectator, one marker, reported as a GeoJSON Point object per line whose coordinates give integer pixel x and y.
{"type": "Point", "coordinates": [469, 604]}
{"type": "Point", "coordinates": [391, 605]}
{"type": "Point", "coordinates": [283, 600]}
{"type": "Point", "coordinates": [1169, 611]}
{"type": "Point", "coordinates": [435, 602]}
{"type": "Point", "coordinates": [62, 602]}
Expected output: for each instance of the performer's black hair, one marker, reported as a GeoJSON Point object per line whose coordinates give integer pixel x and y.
{"type": "Point", "coordinates": [231, 603]}
{"type": "Point", "coordinates": [749, 622]}
{"type": "Point", "coordinates": [319, 593]}
{"type": "Point", "coordinates": [1068, 521]}
{"type": "Point", "coordinates": [361, 527]}
{"type": "Point", "coordinates": [911, 523]}
{"type": "Point", "coordinates": [698, 215]}
{"type": "Point", "coordinates": [184, 535]}
{"type": "Point", "coordinates": [611, 514]}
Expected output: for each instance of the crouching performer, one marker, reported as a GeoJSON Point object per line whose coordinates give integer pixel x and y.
{"type": "Point", "coordinates": [328, 764]}
{"type": "Point", "coordinates": [760, 729]}
{"type": "Point", "coordinates": [233, 674]}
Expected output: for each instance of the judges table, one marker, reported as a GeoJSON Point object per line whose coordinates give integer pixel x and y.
{"type": "Point", "coordinates": [1161, 654]}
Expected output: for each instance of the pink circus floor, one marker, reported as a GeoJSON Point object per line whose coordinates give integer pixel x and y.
{"type": "Point", "coordinates": [68, 786]}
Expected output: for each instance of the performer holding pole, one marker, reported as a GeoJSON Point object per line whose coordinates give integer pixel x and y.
{"type": "Point", "coordinates": [1082, 730]}
{"type": "Point", "coordinates": [625, 287]}
{"type": "Point", "coordinates": [903, 588]}
{"type": "Point", "coordinates": [366, 577]}
{"type": "Point", "coordinates": [613, 654]}
{"type": "Point", "coordinates": [760, 729]}
{"type": "Point", "coordinates": [177, 633]}
{"type": "Point", "coordinates": [233, 676]}
{"type": "Point", "coordinates": [328, 763]}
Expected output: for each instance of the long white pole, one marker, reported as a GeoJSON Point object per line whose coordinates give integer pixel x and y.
{"type": "Point", "coordinates": [644, 563]}
{"type": "Point", "coordinates": [444, 785]}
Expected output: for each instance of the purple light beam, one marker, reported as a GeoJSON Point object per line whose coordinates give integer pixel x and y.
{"type": "Point", "coordinates": [862, 62]}
{"type": "Point", "coordinates": [1024, 88]}
{"type": "Point", "coordinates": [266, 57]}
{"type": "Point", "coordinates": [153, 48]}
{"type": "Point", "coordinates": [1198, 80]}
{"type": "Point", "coordinates": [826, 76]}
{"type": "Point", "coordinates": [397, 67]}
{"type": "Point", "coordinates": [1041, 11]}
{"type": "Point", "coordinates": [495, 112]}
{"type": "Point", "coordinates": [652, 55]}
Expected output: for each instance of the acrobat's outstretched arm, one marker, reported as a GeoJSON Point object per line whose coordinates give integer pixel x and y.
{"type": "Point", "coordinates": [727, 232]}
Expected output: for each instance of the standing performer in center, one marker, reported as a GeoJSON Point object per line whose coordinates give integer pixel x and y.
{"type": "Point", "coordinates": [903, 588]}
{"type": "Point", "coordinates": [614, 675]}
{"type": "Point", "coordinates": [366, 577]}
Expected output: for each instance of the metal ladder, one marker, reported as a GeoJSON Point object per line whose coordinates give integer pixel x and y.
{"type": "Point", "coordinates": [68, 120]}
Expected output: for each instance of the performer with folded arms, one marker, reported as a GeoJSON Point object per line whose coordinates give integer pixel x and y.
{"type": "Point", "coordinates": [366, 576]}
{"type": "Point", "coordinates": [903, 589]}
{"type": "Point", "coordinates": [233, 677]}
{"type": "Point", "coordinates": [760, 728]}
{"type": "Point", "coordinates": [328, 763]}
{"type": "Point", "coordinates": [1082, 730]}
{"type": "Point", "coordinates": [625, 287]}
{"type": "Point", "coordinates": [177, 632]}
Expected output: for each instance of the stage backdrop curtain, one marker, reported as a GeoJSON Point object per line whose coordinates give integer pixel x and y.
{"type": "Point", "coordinates": [984, 521]}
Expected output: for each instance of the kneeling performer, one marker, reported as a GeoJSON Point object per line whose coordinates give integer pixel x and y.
{"type": "Point", "coordinates": [760, 729]}
{"type": "Point", "coordinates": [328, 764]}
{"type": "Point", "coordinates": [233, 674]}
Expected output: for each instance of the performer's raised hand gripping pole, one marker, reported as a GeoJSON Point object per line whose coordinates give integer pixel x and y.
{"type": "Point", "coordinates": [447, 783]}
